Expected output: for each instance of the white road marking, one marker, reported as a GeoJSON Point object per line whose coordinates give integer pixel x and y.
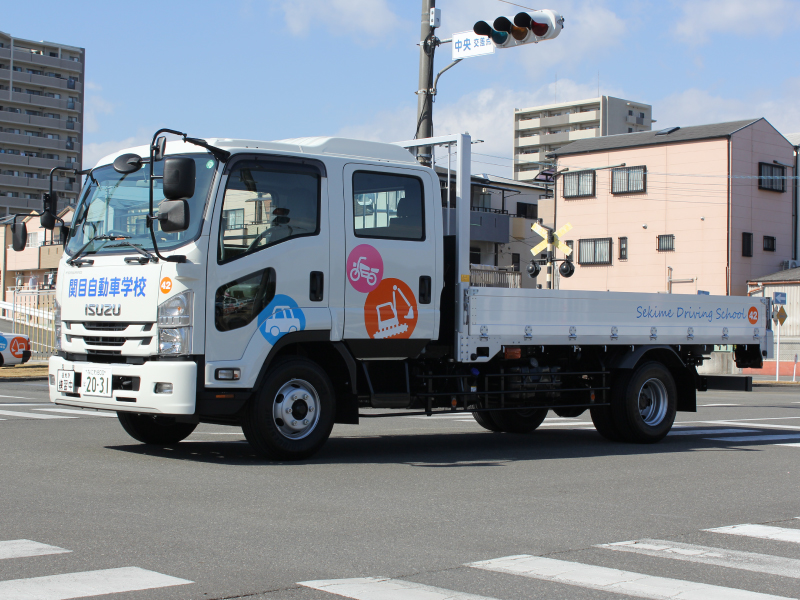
{"type": "Point", "coordinates": [766, 532]}
{"type": "Point", "coordinates": [17, 397]}
{"type": "Point", "coordinates": [734, 559]}
{"type": "Point", "coordinates": [23, 548]}
{"type": "Point", "coordinates": [720, 404]}
{"type": "Point", "coordinates": [27, 415]}
{"type": "Point", "coordinates": [687, 431]}
{"type": "Point", "coordinates": [761, 425]}
{"type": "Point", "coordinates": [87, 583]}
{"type": "Point", "coordinates": [79, 411]}
{"type": "Point", "coordinates": [25, 404]}
{"type": "Point", "coordinates": [614, 580]}
{"type": "Point", "coordinates": [378, 588]}
{"type": "Point", "coordinates": [215, 433]}
{"type": "Point", "coordinates": [791, 446]}
{"type": "Point", "coordinates": [756, 438]}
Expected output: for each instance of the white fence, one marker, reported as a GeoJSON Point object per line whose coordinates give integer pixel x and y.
{"type": "Point", "coordinates": [30, 313]}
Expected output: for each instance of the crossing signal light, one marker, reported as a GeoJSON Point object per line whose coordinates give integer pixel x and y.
{"type": "Point", "coordinates": [525, 28]}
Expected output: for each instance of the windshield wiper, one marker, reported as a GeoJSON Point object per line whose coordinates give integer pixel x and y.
{"type": "Point", "coordinates": [77, 258]}
{"type": "Point", "coordinates": [139, 249]}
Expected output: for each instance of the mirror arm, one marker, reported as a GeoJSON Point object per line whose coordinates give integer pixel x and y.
{"type": "Point", "coordinates": [218, 153]}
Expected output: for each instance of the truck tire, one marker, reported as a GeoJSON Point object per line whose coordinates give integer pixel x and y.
{"type": "Point", "coordinates": [604, 423]}
{"type": "Point", "coordinates": [518, 421]}
{"type": "Point", "coordinates": [644, 403]}
{"type": "Point", "coordinates": [155, 429]}
{"type": "Point", "coordinates": [291, 416]}
{"type": "Point", "coordinates": [485, 420]}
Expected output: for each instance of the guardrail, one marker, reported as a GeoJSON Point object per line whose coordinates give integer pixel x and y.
{"type": "Point", "coordinates": [30, 313]}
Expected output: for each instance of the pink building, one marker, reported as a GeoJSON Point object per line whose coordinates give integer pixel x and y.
{"type": "Point", "coordinates": [691, 208]}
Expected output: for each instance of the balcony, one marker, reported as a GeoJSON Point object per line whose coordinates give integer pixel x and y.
{"type": "Point", "coordinates": [635, 120]}
{"type": "Point", "coordinates": [31, 161]}
{"type": "Point", "coordinates": [31, 184]}
{"type": "Point", "coordinates": [45, 101]}
{"type": "Point", "coordinates": [37, 121]}
{"type": "Point", "coordinates": [535, 157]}
{"type": "Point", "coordinates": [24, 56]}
{"type": "Point", "coordinates": [58, 83]}
{"type": "Point", "coordinates": [529, 124]}
{"type": "Point", "coordinates": [497, 277]}
{"type": "Point", "coordinates": [49, 255]}
{"type": "Point", "coordinates": [585, 117]}
{"type": "Point", "coordinates": [484, 226]}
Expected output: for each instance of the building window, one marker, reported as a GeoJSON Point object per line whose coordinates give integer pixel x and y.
{"type": "Point", "coordinates": [623, 248]}
{"type": "Point", "coordinates": [233, 218]}
{"type": "Point", "coordinates": [769, 243]}
{"type": "Point", "coordinates": [630, 129]}
{"type": "Point", "coordinates": [527, 211]}
{"type": "Point", "coordinates": [571, 255]}
{"type": "Point", "coordinates": [630, 113]}
{"type": "Point", "coordinates": [629, 180]}
{"type": "Point", "coordinates": [641, 115]}
{"type": "Point", "coordinates": [594, 251]}
{"type": "Point", "coordinates": [515, 261]}
{"type": "Point", "coordinates": [579, 184]}
{"type": "Point", "coordinates": [771, 177]}
{"type": "Point", "coordinates": [747, 244]}
{"type": "Point", "coordinates": [474, 255]}
{"type": "Point", "coordinates": [666, 243]}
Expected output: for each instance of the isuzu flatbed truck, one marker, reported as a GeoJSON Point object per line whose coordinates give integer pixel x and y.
{"type": "Point", "coordinates": [284, 286]}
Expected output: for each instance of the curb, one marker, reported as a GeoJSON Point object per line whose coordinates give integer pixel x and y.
{"type": "Point", "coordinates": [32, 378]}
{"type": "Point", "coordinates": [775, 384]}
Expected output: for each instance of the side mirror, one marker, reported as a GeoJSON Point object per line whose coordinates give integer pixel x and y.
{"type": "Point", "coordinates": [19, 236]}
{"type": "Point", "coordinates": [64, 229]}
{"type": "Point", "coordinates": [158, 148]}
{"type": "Point", "coordinates": [173, 215]}
{"type": "Point", "coordinates": [127, 163]}
{"type": "Point", "coordinates": [179, 176]}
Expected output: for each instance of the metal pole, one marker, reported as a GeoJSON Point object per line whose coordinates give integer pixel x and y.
{"type": "Point", "coordinates": [447, 222]}
{"type": "Point", "coordinates": [424, 96]}
{"type": "Point", "coordinates": [778, 355]}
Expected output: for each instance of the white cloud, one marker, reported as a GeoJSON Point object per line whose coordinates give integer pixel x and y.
{"type": "Point", "coordinates": [487, 115]}
{"type": "Point", "coordinates": [741, 17]}
{"type": "Point", "coordinates": [94, 151]}
{"type": "Point", "coordinates": [367, 18]}
{"type": "Point", "coordinates": [95, 106]}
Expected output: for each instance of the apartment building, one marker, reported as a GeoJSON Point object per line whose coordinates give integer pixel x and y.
{"type": "Point", "coordinates": [682, 210]}
{"type": "Point", "coordinates": [540, 130]}
{"type": "Point", "coordinates": [41, 121]}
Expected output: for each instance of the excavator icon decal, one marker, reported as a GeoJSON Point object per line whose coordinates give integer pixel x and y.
{"type": "Point", "coordinates": [390, 311]}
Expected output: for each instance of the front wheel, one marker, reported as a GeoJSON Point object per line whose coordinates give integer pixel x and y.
{"type": "Point", "coordinates": [155, 429]}
{"type": "Point", "coordinates": [518, 421]}
{"type": "Point", "coordinates": [292, 415]}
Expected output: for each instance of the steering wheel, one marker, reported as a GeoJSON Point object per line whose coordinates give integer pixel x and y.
{"type": "Point", "coordinates": [261, 236]}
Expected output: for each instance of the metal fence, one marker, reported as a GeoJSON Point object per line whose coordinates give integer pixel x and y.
{"type": "Point", "coordinates": [30, 313]}
{"type": "Point", "coordinates": [486, 276]}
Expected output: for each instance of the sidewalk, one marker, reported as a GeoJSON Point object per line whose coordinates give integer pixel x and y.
{"type": "Point", "coordinates": [769, 380]}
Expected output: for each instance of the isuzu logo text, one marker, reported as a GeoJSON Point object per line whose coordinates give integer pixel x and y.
{"type": "Point", "coordinates": [103, 310]}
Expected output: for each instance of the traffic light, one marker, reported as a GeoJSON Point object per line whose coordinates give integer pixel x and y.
{"type": "Point", "coordinates": [525, 28]}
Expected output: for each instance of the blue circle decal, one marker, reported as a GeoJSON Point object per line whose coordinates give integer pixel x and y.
{"type": "Point", "coordinates": [3, 343]}
{"type": "Point", "coordinates": [281, 316]}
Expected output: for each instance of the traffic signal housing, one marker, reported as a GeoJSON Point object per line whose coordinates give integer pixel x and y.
{"type": "Point", "coordinates": [525, 28]}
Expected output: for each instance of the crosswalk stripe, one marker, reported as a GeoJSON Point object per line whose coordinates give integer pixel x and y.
{"type": "Point", "coordinates": [767, 532]}
{"type": "Point", "coordinates": [24, 548]}
{"type": "Point", "coordinates": [79, 411]}
{"type": "Point", "coordinates": [87, 583]}
{"type": "Point", "coordinates": [757, 438]}
{"type": "Point", "coordinates": [377, 588]}
{"type": "Point", "coordinates": [614, 580]}
{"type": "Point", "coordinates": [27, 415]}
{"type": "Point", "coordinates": [735, 559]}
{"type": "Point", "coordinates": [681, 431]}
{"type": "Point", "coordinates": [790, 445]}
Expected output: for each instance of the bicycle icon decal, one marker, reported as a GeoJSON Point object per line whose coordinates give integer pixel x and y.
{"type": "Point", "coordinates": [364, 268]}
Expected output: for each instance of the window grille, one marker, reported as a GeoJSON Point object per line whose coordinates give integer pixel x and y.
{"type": "Point", "coordinates": [595, 251]}
{"type": "Point", "coordinates": [769, 243]}
{"type": "Point", "coordinates": [623, 248]}
{"type": "Point", "coordinates": [628, 180]}
{"type": "Point", "coordinates": [579, 184]}
{"type": "Point", "coordinates": [747, 244]}
{"type": "Point", "coordinates": [771, 177]}
{"type": "Point", "coordinates": [666, 243]}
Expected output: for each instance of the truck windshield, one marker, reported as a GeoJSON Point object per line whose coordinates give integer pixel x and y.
{"type": "Point", "coordinates": [113, 203]}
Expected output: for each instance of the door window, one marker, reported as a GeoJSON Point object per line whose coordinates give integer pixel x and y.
{"type": "Point", "coordinates": [267, 203]}
{"type": "Point", "coordinates": [388, 206]}
{"type": "Point", "coordinates": [240, 301]}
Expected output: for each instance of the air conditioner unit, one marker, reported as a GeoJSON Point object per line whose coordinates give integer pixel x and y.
{"type": "Point", "coordinates": [794, 264]}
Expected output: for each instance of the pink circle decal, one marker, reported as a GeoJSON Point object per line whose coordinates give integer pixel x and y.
{"type": "Point", "coordinates": [364, 268]}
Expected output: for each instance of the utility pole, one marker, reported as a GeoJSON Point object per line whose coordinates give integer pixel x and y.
{"type": "Point", "coordinates": [427, 47]}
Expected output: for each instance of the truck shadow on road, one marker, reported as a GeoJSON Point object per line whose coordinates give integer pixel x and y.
{"type": "Point", "coordinates": [447, 450]}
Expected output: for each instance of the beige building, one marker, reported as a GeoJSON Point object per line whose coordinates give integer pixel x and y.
{"type": "Point", "coordinates": [690, 209]}
{"type": "Point", "coordinates": [41, 121]}
{"type": "Point", "coordinates": [540, 130]}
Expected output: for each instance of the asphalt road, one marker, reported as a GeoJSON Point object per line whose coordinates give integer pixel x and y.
{"type": "Point", "coordinates": [400, 504]}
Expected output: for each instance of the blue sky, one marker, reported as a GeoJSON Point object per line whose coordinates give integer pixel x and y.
{"type": "Point", "coordinates": [273, 69]}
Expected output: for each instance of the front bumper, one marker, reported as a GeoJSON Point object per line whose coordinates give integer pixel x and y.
{"type": "Point", "coordinates": [182, 375]}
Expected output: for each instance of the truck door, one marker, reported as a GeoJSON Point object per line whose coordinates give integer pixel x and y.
{"type": "Point", "coordinates": [268, 264]}
{"type": "Point", "coordinates": [391, 255]}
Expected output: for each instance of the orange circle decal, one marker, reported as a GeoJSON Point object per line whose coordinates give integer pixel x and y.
{"type": "Point", "coordinates": [17, 346]}
{"type": "Point", "coordinates": [391, 311]}
{"type": "Point", "coordinates": [752, 315]}
{"type": "Point", "coordinates": [166, 285]}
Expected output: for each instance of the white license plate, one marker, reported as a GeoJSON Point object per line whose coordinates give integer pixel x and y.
{"type": "Point", "coordinates": [96, 382]}
{"type": "Point", "coordinates": [65, 381]}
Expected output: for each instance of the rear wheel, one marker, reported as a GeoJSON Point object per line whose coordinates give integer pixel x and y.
{"type": "Point", "coordinates": [292, 415]}
{"type": "Point", "coordinates": [485, 420]}
{"type": "Point", "coordinates": [518, 421]}
{"type": "Point", "coordinates": [644, 404]}
{"type": "Point", "coordinates": [155, 429]}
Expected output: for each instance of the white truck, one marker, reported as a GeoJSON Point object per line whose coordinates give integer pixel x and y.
{"type": "Point", "coordinates": [284, 286]}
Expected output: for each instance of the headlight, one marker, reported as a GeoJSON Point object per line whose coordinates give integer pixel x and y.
{"type": "Point", "coordinates": [57, 323]}
{"type": "Point", "coordinates": [175, 325]}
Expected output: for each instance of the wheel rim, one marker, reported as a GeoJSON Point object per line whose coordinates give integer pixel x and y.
{"type": "Point", "coordinates": [295, 410]}
{"type": "Point", "coordinates": [653, 401]}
